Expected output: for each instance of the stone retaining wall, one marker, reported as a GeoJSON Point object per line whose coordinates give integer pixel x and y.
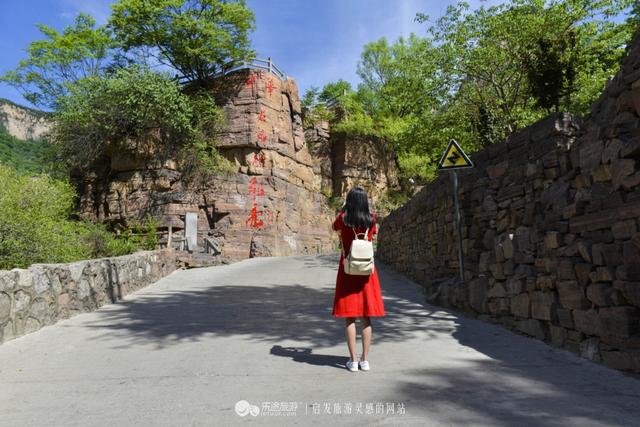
{"type": "Point", "coordinates": [550, 229]}
{"type": "Point", "coordinates": [45, 293]}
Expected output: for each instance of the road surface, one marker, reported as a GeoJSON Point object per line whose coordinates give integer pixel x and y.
{"type": "Point", "coordinates": [254, 343]}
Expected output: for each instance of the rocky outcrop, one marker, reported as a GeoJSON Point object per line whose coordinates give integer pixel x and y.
{"type": "Point", "coordinates": [270, 206]}
{"type": "Point", "coordinates": [550, 230]}
{"type": "Point", "coordinates": [23, 123]}
{"type": "Point", "coordinates": [345, 161]}
{"type": "Point", "coordinates": [318, 138]}
{"type": "Point", "coordinates": [46, 293]}
{"type": "Point", "coordinates": [366, 162]}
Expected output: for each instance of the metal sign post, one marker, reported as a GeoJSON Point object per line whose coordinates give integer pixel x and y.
{"type": "Point", "coordinates": [454, 174]}
{"type": "Point", "coordinates": [453, 159]}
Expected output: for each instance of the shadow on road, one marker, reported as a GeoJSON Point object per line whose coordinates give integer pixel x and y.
{"type": "Point", "coordinates": [304, 355]}
{"type": "Point", "coordinates": [270, 312]}
{"type": "Point", "coordinates": [521, 382]}
{"type": "Point", "coordinates": [494, 377]}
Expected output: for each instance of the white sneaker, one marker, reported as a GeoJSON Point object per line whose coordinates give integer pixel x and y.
{"type": "Point", "coordinates": [364, 365]}
{"type": "Point", "coordinates": [352, 366]}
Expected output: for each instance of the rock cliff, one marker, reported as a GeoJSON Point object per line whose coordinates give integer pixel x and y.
{"type": "Point", "coordinates": [22, 122]}
{"type": "Point", "coordinates": [272, 206]}
{"type": "Point", "coordinates": [345, 161]}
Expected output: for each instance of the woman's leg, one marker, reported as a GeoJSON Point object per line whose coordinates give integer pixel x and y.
{"type": "Point", "coordinates": [365, 325]}
{"type": "Point", "coordinates": [350, 330]}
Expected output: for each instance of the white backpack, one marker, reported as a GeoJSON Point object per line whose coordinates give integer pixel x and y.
{"type": "Point", "coordinates": [359, 262]}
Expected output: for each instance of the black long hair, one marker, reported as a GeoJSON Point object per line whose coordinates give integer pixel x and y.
{"type": "Point", "coordinates": [356, 209]}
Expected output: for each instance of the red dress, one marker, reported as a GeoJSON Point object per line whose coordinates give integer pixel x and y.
{"type": "Point", "coordinates": [356, 296]}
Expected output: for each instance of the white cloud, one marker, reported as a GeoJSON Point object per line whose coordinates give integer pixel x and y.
{"type": "Point", "coordinates": [99, 9]}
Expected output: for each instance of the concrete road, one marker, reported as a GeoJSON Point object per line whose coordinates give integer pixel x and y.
{"type": "Point", "coordinates": [258, 337]}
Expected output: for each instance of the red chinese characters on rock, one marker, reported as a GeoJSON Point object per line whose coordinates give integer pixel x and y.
{"type": "Point", "coordinates": [262, 137]}
{"type": "Point", "coordinates": [252, 81]}
{"type": "Point", "coordinates": [256, 216]}
{"type": "Point", "coordinates": [270, 86]}
{"type": "Point", "coordinates": [255, 188]}
{"type": "Point", "coordinates": [253, 219]}
{"type": "Point", "coordinates": [262, 116]}
{"type": "Point", "coordinates": [258, 159]}
{"type": "Point", "coordinates": [253, 78]}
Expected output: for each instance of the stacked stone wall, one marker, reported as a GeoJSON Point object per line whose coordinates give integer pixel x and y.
{"type": "Point", "coordinates": [46, 293]}
{"type": "Point", "coordinates": [550, 230]}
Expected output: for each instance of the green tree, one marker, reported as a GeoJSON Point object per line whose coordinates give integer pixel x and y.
{"type": "Point", "coordinates": [194, 37]}
{"type": "Point", "coordinates": [481, 74]}
{"type": "Point", "coordinates": [136, 111]}
{"type": "Point", "coordinates": [551, 68]}
{"type": "Point", "coordinates": [61, 59]}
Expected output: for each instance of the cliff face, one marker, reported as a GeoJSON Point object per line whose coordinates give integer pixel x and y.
{"type": "Point", "coordinates": [23, 123]}
{"type": "Point", "coordinates": [345, 161]}
{"type": "Point", "coordinates": [272, 206]}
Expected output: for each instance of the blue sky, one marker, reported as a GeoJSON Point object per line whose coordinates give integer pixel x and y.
{"type": "Point", "coordinates": [313, 41]}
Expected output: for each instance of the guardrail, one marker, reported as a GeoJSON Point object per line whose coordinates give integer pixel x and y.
{"type": "Point", "coordinates": [254, 64]}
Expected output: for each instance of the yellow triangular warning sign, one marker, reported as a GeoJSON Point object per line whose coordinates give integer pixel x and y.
{"type": "Point", "coordinates": [454, 157]}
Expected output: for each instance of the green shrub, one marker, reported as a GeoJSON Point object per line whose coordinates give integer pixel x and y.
{"type": "Point", "coordinates": [34, 221]}
{"type": "Point", "coordinates": [35, 225]}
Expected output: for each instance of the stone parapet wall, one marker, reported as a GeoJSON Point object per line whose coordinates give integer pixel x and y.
{"type": "Point", "coordinates": [46, 293]}
{"type": "Point", "coordinates": [550, 230]}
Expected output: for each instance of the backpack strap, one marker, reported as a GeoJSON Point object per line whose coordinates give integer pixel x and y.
{"type": "Point", "coordinates": [366, 233]}
{"type": "Point", "coordinates": [355, 235]}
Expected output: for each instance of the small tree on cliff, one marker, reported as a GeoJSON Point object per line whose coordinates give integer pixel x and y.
{"type": "Point", "coordinates": [194, 37]}
{"type": "Point", "coordinates": [138, 112]}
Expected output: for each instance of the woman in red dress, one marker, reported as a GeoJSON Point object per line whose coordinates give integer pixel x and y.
{"type": "Point", "coordinates": [356, 296]}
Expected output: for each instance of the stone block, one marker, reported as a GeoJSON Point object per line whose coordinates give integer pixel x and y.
{"type": "Point", "coordinates": [572, 295]}
{"type": "Point", "coordinates": [590, 349]}
{"type": "Point", "coordinates": [624, 229]}
{"type": "Point", "coordinates": [622, 322]}
{"type": "Point", "coordinates": [628, 273]}
{"type": "Point", "coordinates": [603, 294]}
{"type": "Point", "coordinates": [514, 286]}
{"type": "Point", "coordinates": [598, 257]}
{"type": "Point", "coordinates": [543, 305]}
{"type": "Point", "coordinates": [565, 270]}
{"type": "Point", "coordinates": [533, 327]}
{"type": "Point", "coordinates": [611, 150]}
{"type": "Point", "coordinates": [478, 289]}
{"type": "Point", "coordinates": [497, 291]}
{"type": "Point", "coordinates": [605, 274]}
{"type": "Point", "coordinates": [612, 254]}
{"type": "Point", "coordinates": [630, 253]}
{"type": "Point", "coordinates": [545, 283]}
{"type": "Point", "coordinates": [587, 321]}
{"type": "Point", "coordinates": [558, 335]}
{"type": "Point", "coordinates": [498, 306]}
{"type": "Point", "coordinates": [564, 318]}
{"type": "Point", "coordinates": [521, 305]}
{"type": "Point", "coordinates": [5, 307]}
{"type": "Point", "coordinates": [551, 240]}
{"type": "Point", "coordinates": [630, 291]}
{"type": "Point", "coordinates": [620, 170]}
{"type": "Point", "coordinates": [590, 152]}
